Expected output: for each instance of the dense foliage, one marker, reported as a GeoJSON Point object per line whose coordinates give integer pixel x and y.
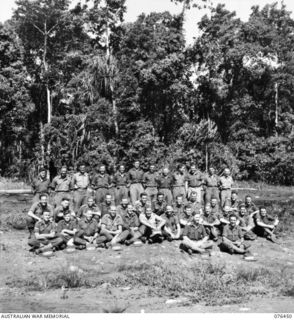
{"type": "Point", "coordinates": [81, 84]}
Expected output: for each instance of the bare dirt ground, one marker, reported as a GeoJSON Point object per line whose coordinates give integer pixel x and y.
{"type": "Point", "coordinates": [19, 268]}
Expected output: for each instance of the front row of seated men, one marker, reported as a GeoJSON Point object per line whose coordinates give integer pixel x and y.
{"type": "Point", "coordinates": [124, 225]}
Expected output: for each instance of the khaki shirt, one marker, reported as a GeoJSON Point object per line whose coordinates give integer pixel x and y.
{"type": "Point", "coordinates": [40, 186]}
{"type": "Point", "coordinates": [60, 184]}
{"type": "Point", "coordinates": [90, 227]}
{"type": "Point", "coordinates": [85, 207]}
{"type": "Point", "coordinates": [120, 179]}
{"type": "Point", "coordinates": [110, 223]}
{"type": "Point", "coordinates": [38, 209]}
{"type": "Point", "coordinates": [43, 227]}
{"type": "Point", "coordinates": [211, 181]}
{"type": "Point", "coordinates": [194, 232]}
{"type": "Point", "coordinates": [135, 175]}
{"type": "Point", "coordinates": [149, 179]}
{"type": "Point", "coordinates": [226, 182]}
{"type": "Point", "coordinates": [178, 179]}
{"type": "Point", "coordinates": [233, 234]}
{"type": "Point", "coordinates": [101, 181]}
{"type": "Point", "coordinates": [195, 179]}
{"type": "Point", "coordinates": [154, 220]}
{"type": "Point", "coordinates": [80, 181]}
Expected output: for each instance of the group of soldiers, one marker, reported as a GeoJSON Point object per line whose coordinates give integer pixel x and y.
{"type": "Point", "coordinates": [136, 207]}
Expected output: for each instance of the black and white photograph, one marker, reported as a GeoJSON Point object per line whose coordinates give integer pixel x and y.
{"type": "Point", "coordinates": [146, 158]}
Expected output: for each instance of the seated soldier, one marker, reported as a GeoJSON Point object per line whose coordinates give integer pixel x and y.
{"type": "Point", "coordinates": [194, 204]}
{"type": "Point", "coordinates": [111, 229]}
{"type": "Point", "coordinates": [187, 216]}
{"type": "Point", "coordinates": [214, 205]}
{"type": "Point", "coordinates": [232, 237]}
{"type": "Point", "coordinates": [172, 228]}
{"type": "Point", "coordinates": [105, 206]}
{"type": "Point", "coordinates": [61, 210]}
{"type": "Point", "coordinates": [140, 205]}
{"type": "Point", "coordinates": [250, 206]}
{"type": "Point", "coordinates": [45, 238]}
{"type": "Point", "coordinates": [195, 238]}
{"type": "Point", "coordinates": [159, 205]}
{"type": "Point", "coordinates": [151, 226]}
{"type": "Point", "coordinates": [131, 225]}
{"type": "Point", "coordinates": [179, 206]}
{"type": "Point", "coordinates": [234, 203]}
{"type": "Point", "coordinates": [246, 223]}
{"type": "Point", "coordinates": [88, 229]}
{"type": "Point", "coordinates": [225, 216]}
{"type": "Point", "coordinates": [266, 225]}
{"type": "Point", "coordinates": [36, 211]}
{"type": "Point", "coordinates": [123, 207]}
{"type": "Point", "coordinates": [67, 228]}
{"type": "Point", "coordinates": [92, 206]}
{"type": "Point", "coordinates": [211, 222]}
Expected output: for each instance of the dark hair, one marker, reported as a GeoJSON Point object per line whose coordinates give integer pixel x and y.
{"type": "Point", "coordinates": [234, 192]}
{"type": "Point", "coordinates": [43, 195]}
{"type": "Point", "coordinates": [179, 196]}
{"type": "Point", "coordinates": [64, 198]}
{"type": "Point", "coordinates": [143, 194]}
{"type": "Point", "coordinates": [247, 196]}
{"type": "Point", "coordinates": [262, 207]}
{"type": "Point", "coordinates": [42, 169]}
{"type": "Point", "coordinates": [160, 194]}
{"type": "Point", "coordinates": [187, 206]}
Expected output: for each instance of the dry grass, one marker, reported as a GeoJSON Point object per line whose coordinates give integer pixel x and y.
{"type": "Point", "coordinates": [12, 184]}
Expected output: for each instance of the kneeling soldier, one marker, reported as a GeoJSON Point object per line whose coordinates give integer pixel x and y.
{"type": "Point", "coordinates": [36, 211]}
{"type": "Point", "coordinates": [195, 238]}
{"type": "Point", "coordinates": [45, 238]}
{"type": "Point", "coordinates": [87, 233]}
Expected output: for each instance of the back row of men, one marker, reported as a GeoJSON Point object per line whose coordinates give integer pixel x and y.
{"type": "Point", "coordinates": [79, 186]}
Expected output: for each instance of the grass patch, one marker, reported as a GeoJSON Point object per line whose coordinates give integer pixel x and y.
{"type": "Point", "coordinates": [12, 184]}
{"type": "Point", "coordinates": [63, 277]}
{"type": "Point", "coordinates": [205, 282]}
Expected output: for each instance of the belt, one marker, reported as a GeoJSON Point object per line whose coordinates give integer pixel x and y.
{"type": "Point", "coordinates": [136, 182]}
{"type": "Point", "coordinates": [151, 186]}
{"type": "Point", "coordinates": [212, 186]}
{"type": "Point", "coordinates": [195, 186]}
{"type": "Point", "coordinates": [62, 190]}
{"type": "Point", "coordinates": [179, 186]}
{"type": "Point", "coordinates": [164, 188]}
{"type": "Point", "coordinates": [226, 189]}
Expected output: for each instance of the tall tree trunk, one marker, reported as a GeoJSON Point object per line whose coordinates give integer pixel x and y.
{"type": "Point", "coordinates": [111, 86]}
{"type": "Point", "coordinates": [42, 142]}
{"type": "Point", "coordinates": [276, 108]}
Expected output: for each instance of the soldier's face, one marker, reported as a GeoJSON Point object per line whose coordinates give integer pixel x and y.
{"type": "Point", "coordinates": [152, 168]}
{"type": "Point", "coordinates": [136, 164]}
{"type": "Point", "coordinates": [213, 202]}
{"type": "Point", "coordinates": [227, 172]}
{"type": "Point", "coordinates": [89, 215]}
{"type": "Point", "coordinates": [90, 202]}
{"type": "Point", "coordinates": [193, 197]}
{"type": "Point", "coordinates": [182, 169]}
{"type": "Point", "coordinates": [121, 169]}
{"type": "Point", "coordinates": [248, 200]}
{"type": "Point", "coordinates": [169, 210]}
{"type": "Point", "coordinates": [63, 172]}
{"type": "Point", "coordinates": [102, 169]}
{"type": "Point", "coordinates": [188, 212]}
{"type": "Point", "coordinates": [108, 199]}
{"type": "Point", "coordinates": [160, 198]}
{"type": "Point", "coordinates": [65, 203]}
{"type": "Point", "coordinates": [130, 209]}
{"type": "Point", "coordinates": [148, 212]}
{"type": "Point", "coordinates": [242, 212]}
{"type": "Point", "coordinates": [234, 196]}
{"type": "Point", "coordinates": [144, 199]}
{"type": "Point", "coordinates": [263, 212]}
{"type": "Point", "coordinates": [233, 221]}
{"type": "Point", "coordinates": [124, 202]}
{"type": "Point", "coordinates": [179, 200]}
{"type": "Point", "coordinates": [46, 216]}
{"type": "Point", "coordinates": [43, 200]}
{"type": "Point", "coordinates": [211, 171]}
{"type": "Point", "coordinates": [43, 174]}
{"type": "Point", "coordinates": [82, 169]}
{"type": "Point", "coordinates": [197, 218]}
{"type": "Point", "coordinates": [193, 169]}
{"type": "Point", "coordinates": [67, 217]}
{"type": "Point", "coordinates": [207, 210]}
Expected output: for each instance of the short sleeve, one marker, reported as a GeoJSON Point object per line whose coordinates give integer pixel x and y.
{"type": "Point", "coordinates": [118, 220]}
{"type": "Point", "coordinates": [225, 232]}
{"type": "Point", "coordinates": [37, 227]}
{"type": "Point", "coordinates": [204, 232]}
{"type": "Point", "coordinates": [33, 207]}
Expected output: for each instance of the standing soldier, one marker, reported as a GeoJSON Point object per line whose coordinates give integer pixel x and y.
{"type": "Point", "coordinates": [194, 183]}
{"type": "Point", "coordinates": [120, 183]}
{"type": "Point", "coordinates": [225, 186]}
{"type": "Point", "coordinates": [135, 182]}
{"type": "Point", "coordinates": [150, 184]}
{"type": "Point", "coordinates": [61, 185]}
{"type": "Point", "coordinates": [211, 183]}
{"type": "Point", "coordinates": [101, 183]}
{"type": "Point", "coordinates": [164, 182]}
{"type": "Point", "coordinates": [40, 185]}
{"type": "Point", "coordinates": [80, 184]}
{"type": "Point", "coordinates": [179, 181]}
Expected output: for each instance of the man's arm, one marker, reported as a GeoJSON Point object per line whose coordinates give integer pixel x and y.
{"type": "Point", "coordinates": [161, 222]}
{"type": "Point", "coordinates": [264, 225]}
{"type": "Point", "coordinates": [31, 212]}
{"type": "Point", "coordinates": [144, 221]}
